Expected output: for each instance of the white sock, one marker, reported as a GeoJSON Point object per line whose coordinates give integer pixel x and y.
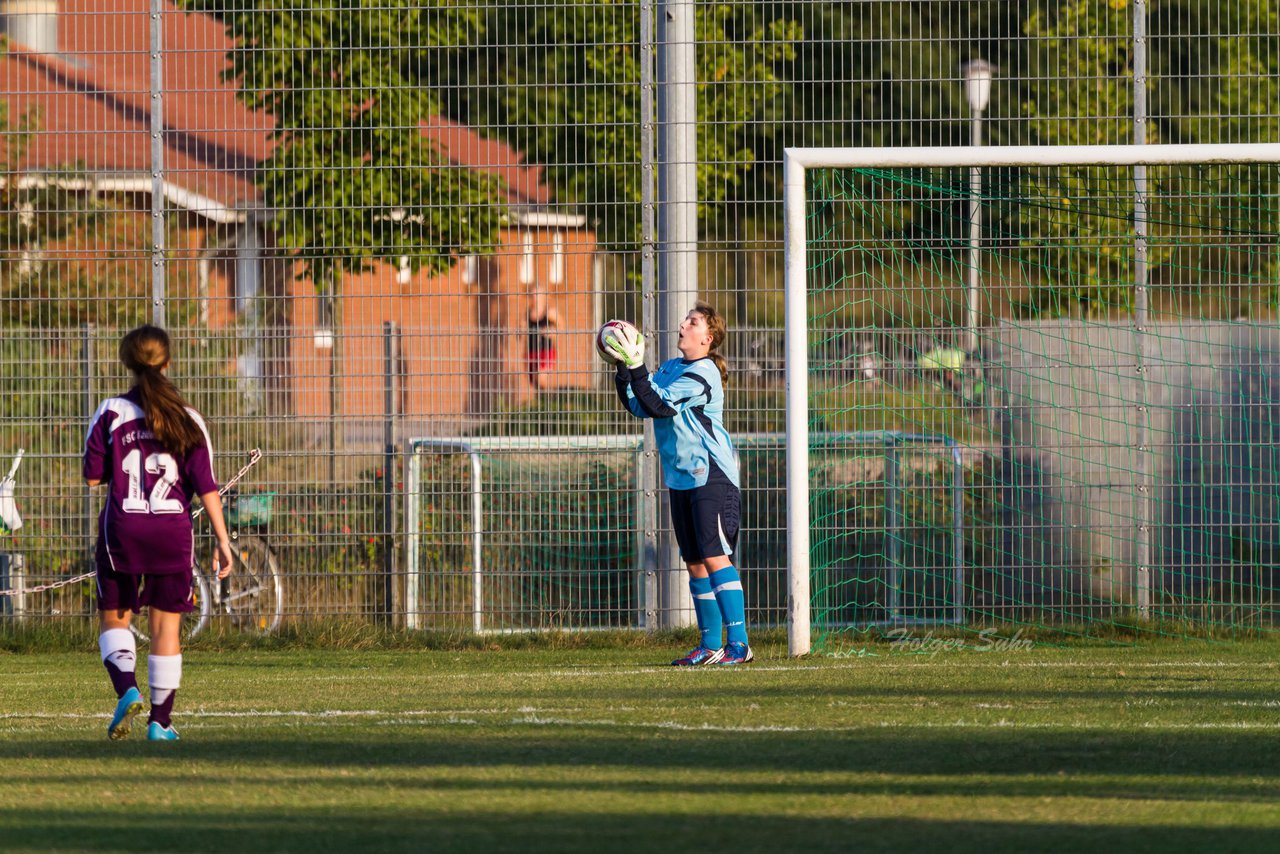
{"type": "Point", "coordinates": [119, 648]}
{"type": "Point", "coordinates": [165, 674]}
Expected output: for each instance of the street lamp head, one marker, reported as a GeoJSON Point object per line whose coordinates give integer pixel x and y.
{"type": "Point", "coordinates": [977, 83]}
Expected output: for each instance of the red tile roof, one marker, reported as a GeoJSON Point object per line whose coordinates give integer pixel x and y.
{"type": "Point", "coordinates": [94, 100]}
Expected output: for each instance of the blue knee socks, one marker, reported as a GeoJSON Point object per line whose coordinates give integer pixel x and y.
{"type": "Point", "coordinates": [707, 611]}
{"type": "Point", "coordinates": [727, 586]}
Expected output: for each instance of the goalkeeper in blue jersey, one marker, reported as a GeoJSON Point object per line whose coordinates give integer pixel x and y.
{"type": "Point", "coordinates": [685, 399]}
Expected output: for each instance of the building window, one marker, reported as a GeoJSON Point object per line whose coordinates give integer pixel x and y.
{"type": "Point", "coordinates": [557, 259]}
{"type": "Point", "coordinates": [526, 261]}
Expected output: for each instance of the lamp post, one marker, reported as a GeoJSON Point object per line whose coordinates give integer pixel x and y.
{"type": "Point", "coordinates": [977, 89]}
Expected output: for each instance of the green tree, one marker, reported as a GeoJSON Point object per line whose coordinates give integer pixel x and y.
{"type": "Point", "coordinates": [1076, 223]}
{"type": "Point", "coordinates": [560, 83]}
{"type": "Point", "coordinates": [877, 74]}
{"type": "Point", "coordinates": [351, 178]}
{"type": "Point", "coordinates": [1206, 83]}
{"type": "Point", "coordinates": [888, 73]}
{"type": "Point", "coordinates": [1217, 68]}
{"type": "Point", "coordinates": [1218, 80]}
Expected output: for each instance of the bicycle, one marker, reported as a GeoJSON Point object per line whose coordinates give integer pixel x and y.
{"type": "Point", "coordinates": [252, 596]}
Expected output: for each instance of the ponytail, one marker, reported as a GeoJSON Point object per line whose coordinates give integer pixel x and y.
{"type": "Point", "coordinates": [722, 363]}
{"type": "Point", "coordinates": [145, 352]}
{"type": "Point", "coordinates": [718, 330]}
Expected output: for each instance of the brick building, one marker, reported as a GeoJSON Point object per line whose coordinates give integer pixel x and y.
{"type": "Point", "coordinates": [85, 66]}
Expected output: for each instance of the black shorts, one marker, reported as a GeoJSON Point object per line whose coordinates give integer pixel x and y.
{"type": "Point", "coordinates": [123, 591]}
{"type": "Point", "coordinates": [705, 520]}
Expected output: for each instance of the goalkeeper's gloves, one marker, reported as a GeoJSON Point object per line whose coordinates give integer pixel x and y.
{"type": "Point", "coordinates": [629, 353]}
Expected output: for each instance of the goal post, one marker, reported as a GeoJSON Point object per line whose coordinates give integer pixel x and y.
{"type": "Point", "coordinates": [507, 533]}
{"type": "Point", "coordinates": [1125, 204]}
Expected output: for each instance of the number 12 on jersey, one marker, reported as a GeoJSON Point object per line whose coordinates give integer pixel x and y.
{"type": "Point", "coordinates": [158, 501]}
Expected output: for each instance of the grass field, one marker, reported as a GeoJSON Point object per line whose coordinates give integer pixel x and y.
{"type": "Point", "coordinates": [1159, 747]}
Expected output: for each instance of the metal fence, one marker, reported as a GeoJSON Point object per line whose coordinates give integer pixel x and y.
{"type": "Point", "coordinates": [369, 222]}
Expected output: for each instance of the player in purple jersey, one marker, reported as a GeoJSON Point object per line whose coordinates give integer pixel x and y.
{"type": "Point", "coordinates": [154, 453]}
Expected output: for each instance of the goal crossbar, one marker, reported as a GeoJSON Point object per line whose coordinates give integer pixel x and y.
{"type": "Point", "coordinates": [796, 162]}
{"type": "Point", "coordinates": [1029, 155]}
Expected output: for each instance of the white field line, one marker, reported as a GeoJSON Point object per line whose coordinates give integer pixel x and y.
{"type": "Point", "coordinates": [900, 660]}
{"type": "Point", "coordinates": [721, 727]}
{"type": "Point", "coordinates": [288, 713]}
{"type": "Point", "coordinates": [553, 718]}
{"type": "Point", "coordinates": [941, 660]}
{"type": "Point", "coordinates": [1000, 724]}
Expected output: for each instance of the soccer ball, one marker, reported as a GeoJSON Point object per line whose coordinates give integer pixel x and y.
{"type": "Point", "coordinates": [618, 328]}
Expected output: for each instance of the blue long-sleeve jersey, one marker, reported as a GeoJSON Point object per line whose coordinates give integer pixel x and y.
{"type": "Point", "coordinates": [686, 402]}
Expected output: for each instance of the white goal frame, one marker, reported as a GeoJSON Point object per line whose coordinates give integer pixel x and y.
{"type": "Point", "coordinates": [795, 164]}
{"type": "Point", "coordinates": [474, 449]}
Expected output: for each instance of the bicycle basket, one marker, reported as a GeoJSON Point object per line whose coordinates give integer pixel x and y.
{"type": "Point", "coordinates": [255, 509]}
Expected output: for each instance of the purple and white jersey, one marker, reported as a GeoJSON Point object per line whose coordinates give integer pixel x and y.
{"type": "Point", "coordinates": [145, 526]}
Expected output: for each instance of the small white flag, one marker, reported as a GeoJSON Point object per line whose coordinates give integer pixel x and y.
{"type": "Point", "coordinates": [10, 521]}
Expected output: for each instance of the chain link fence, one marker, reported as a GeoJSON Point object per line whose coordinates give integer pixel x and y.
{"type": "Point", "coordinates": [366, 224]}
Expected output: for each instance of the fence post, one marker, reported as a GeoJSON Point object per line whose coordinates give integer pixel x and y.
{"type": "Point", "coordinates": [388, 471]}
{"type": "Point", "coordinates": [1145, 499]}
{"type": "Point", "coordinates": [158, 286]}
{"type": "Point", "coordinates": [335, 389]}
{"type": "Point", "coordinates": [648, 511]}
{"type": "Point", "coordinates": [892, 528]}
{"type": "Point", "coordinates": [677, 239]}
{"type": "Point", "coordinates": [87, 406]}
{"type": "Point", "coordinates": [957, 524]}
{"type": "Point", "coordinates": [412, 540]}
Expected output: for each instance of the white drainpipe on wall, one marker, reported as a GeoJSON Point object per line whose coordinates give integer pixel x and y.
{"type": "Point", "coordinates": [31, 23]}
{"type": "Point", "coordinates": [248, 314]}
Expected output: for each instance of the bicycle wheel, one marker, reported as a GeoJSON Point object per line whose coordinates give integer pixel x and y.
{"type": "Point", "coordinates": [195, 622]}
{"type": "Point", "coordinates": [253, 596]}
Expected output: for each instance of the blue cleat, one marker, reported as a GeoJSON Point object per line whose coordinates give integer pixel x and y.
{"type": "Point", "coordinates": [699, 655]}
{"type": "Point", "coordinates": [736, 653]}
{"type": "Point", "coordinates": [157, 731]}
{"type": "Point", "coordinates": [122, 721]}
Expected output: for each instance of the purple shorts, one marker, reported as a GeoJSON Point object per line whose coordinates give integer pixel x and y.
{"type": "Point", "coordinates": [122, 591]}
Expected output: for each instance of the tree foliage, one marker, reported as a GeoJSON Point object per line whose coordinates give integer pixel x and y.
{"type": "Point", "coordinates": [1219, 73]}
{"type": "Point", "coordinates": [351, 178]}
{"type": "Point", "coordinates": [1077, 222]}
{"type": "Point", "coordinates": [1204, 84]}
{"type": "Point", "coordinates": [561, 83]}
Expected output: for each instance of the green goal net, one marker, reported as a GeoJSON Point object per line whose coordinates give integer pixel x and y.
{"type": "Point", "coordinates": [1093, 333]}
